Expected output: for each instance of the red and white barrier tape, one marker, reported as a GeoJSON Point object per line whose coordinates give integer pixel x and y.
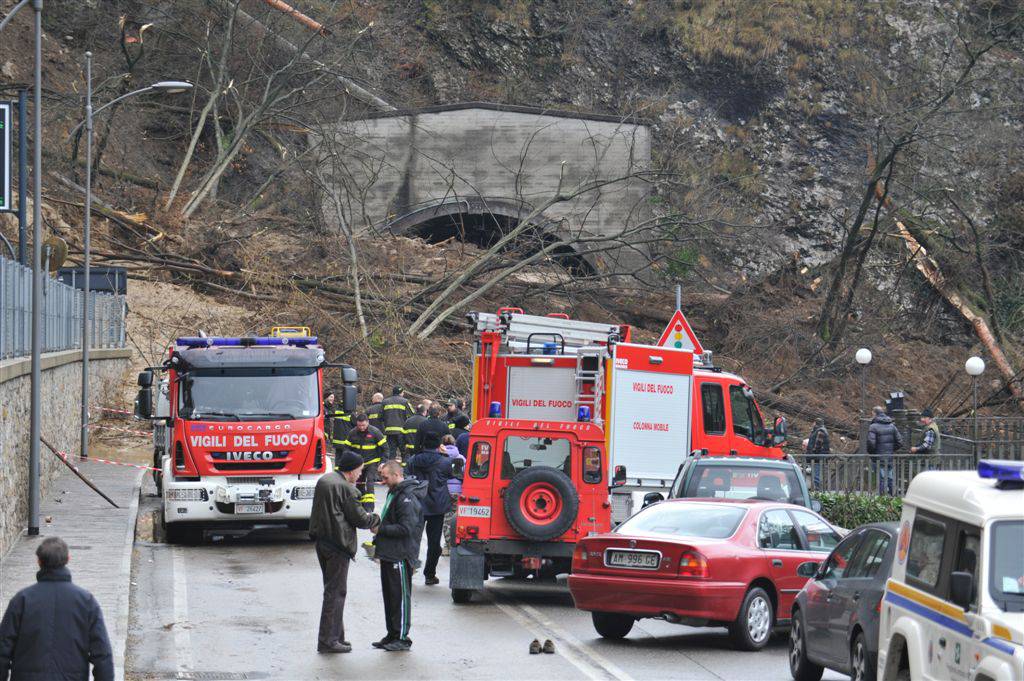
{"type": "Point", "coordinates": [117, 411]}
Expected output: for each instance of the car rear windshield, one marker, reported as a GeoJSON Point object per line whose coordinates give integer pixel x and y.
{"type": "Point", "coordinates": [1006, 581]}
{"type": "Point", "coordinates": [709, 521]}
{"type": "Point", "coordinates": [745, 482]}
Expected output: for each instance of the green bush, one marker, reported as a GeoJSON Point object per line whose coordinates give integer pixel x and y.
{"type": "Point", "coordinates": [850, 510]}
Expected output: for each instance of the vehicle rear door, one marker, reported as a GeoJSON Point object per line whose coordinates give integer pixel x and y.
{"type": "Point", "coordinates": [539, 504]}
{"type": "Point", "coordinates": [821, 593]}
{"type": "Point", "coordinates": [784, 551]}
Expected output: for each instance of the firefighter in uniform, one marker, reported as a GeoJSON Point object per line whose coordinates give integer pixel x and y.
{"type": "Point", "coordinates": [395, 410]}
{"type": "Point", "coordinates": [341, 423]}
{"type": "Point", "coordinates": [375, 411]}
{"type": "Point", "coordinates": [410, 427]}
{"type": "Point", "coordinates": [369, 443]}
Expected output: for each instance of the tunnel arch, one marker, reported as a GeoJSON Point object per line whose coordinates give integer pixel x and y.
{"type": "Point", "coordinates": [482, 222]}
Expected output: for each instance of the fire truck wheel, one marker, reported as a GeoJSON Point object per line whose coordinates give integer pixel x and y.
{"type": "Point", "coordinates": [541, 503]}
{"type": "Point", "coordinates": [612, 624]}
{"type": "Point", "coordinates": [462, 595]}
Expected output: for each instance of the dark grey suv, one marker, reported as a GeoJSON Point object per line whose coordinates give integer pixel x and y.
{"type": "Point", "coordinates": [835, 615]}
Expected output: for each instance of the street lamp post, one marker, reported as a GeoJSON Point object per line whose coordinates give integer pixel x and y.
{"type": "Point", "coordinates": [863, 358]}
{"type": "Point", "coordinates": [975, 366]}
{"type": "Point", "coordinates": [165, 87]}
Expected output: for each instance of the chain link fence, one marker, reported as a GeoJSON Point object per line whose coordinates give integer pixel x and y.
{"type": "Point", "coordinates": [61, 314]}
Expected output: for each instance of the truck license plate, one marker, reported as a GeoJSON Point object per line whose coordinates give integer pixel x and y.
{"type": "Point", "coordinates": [475, 511]}
{"type": "Point", "coordinates": [633, 559]}
{"type": "Point", "coordinates": [250, 508]}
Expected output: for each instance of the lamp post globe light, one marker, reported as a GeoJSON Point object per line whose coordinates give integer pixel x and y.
{"type": "Point", "coordinates": [863, 356]}
{"type": "Point", "coordinates": [975, 366]}
{"type": "Point", "coordinates": [169, 87]}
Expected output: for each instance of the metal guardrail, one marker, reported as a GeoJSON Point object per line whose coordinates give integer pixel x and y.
{"type": "Point", "coordinates": [61, 314]}
{"type": "Point", "coordinates": [873, 474]}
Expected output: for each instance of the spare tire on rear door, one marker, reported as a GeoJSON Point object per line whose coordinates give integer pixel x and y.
{"type": "Point", "coordinates": [541, 503]}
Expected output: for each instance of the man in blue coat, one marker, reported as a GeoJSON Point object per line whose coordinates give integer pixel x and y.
{"type": "Point", "coordinates": [54, 630]}
{"type": "Point", "coordinates": [434, 468]}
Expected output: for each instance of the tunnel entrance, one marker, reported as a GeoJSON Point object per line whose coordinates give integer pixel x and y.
{"type": "Point", "coordinates": [485, 229]}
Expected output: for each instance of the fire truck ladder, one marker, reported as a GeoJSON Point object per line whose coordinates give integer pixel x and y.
{"type": "Point", "coordinates": [524, 332]}
{"type": "Point", "coordinates": [590, 380]}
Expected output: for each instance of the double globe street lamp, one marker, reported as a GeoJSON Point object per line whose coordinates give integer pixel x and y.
{"type": "Point", "coordinates": [168, 87]}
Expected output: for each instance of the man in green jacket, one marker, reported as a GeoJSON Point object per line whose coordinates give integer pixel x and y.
{"type": "Point", "coordinates": [333, 521]}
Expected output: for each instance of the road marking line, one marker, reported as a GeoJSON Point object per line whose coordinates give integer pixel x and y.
{"type": "Point", "coordinates": [182, 636]}
{"type": "Point", "coordinates": [120, 644]}
{"type": "Point", "coordinates": [527, 623]}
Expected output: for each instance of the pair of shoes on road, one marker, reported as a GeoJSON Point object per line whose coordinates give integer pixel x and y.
{"type": "Point", "coordinates": [431, 581]}
{"type": "Point", "coordinates": [336, 647]}
{"type": "Point", "coordinates": [536, 648]}
{"type": "Point", "coordinates": [393, 644]}
{"type": "Point", "coordinates": [446, 550]}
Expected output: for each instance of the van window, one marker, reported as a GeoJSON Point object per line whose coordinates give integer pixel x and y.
{"type": "Point", "coordinates": [924, 559]}
{"type": "Point", "coordinates": [746, 420]}
{"type": "Point", "coordinates": [524, 452]}
{"type": "Point", "coordinates": [480, 459]}
{"type": "Point", "coordinates": [713, 406]}
{"type": "Point", "coordinates": [968, 545]}
{"type": "Point", "coordinates": [1006, 576]}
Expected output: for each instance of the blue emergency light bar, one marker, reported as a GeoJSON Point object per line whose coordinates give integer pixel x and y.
{"type": "Point", "coordinates": [1001, 470]}
{"type": "Point", "coordinates": [199, 342]}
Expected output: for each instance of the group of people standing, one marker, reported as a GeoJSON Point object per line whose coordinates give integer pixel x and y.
{"type": "Point", "coordinates": [414, 452]}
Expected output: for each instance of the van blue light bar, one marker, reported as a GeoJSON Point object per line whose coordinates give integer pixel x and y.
{"type": "Point", "coordinates": [198, 342]}
{"type": "Point", "coordinates": [1001, 470]}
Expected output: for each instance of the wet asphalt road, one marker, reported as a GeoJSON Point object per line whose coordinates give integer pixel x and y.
{"type": "Point", "coordinates": [247, 608]}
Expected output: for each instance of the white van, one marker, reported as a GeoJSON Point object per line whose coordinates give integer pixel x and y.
{"type": "Point", "coordinates": [954, 605]}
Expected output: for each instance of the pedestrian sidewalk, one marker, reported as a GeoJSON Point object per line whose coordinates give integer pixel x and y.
{"type": "Point", "coordinates": [100, 538]}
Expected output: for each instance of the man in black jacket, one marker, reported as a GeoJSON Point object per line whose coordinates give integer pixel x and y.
{"type": "Point", "coordinates": [397, 544]}
{"type": "Point", "coordinates": [883, 440]}
{"type": "Point", "coordinates": [433, 468]}
{"type": "Point", "coordinates": [333, 521]}
{"type": "Point", "coordinates": [54, 629]}
{"type": "Point", "coordinates": [411, 427]}
{"type": "Point", "coordinates": [434, 424]}
{"type": "Point", "coordinates": [818, 446]}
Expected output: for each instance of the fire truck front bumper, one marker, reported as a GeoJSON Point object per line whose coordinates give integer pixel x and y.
{"type": "Point", "coordinates": [248, 500]}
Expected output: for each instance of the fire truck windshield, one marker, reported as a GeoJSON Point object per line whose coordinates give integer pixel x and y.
{"type": "Point", "coordinates": [249, 394]}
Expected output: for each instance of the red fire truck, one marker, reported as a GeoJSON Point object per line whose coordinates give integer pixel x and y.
{"type": "Point", "coordinates": [574, 425]}
{"type": "Point", "coordinates": [242, 431]}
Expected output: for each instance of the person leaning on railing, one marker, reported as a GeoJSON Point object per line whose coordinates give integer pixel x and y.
{"type": "Point", "coordinates": [931, 439]}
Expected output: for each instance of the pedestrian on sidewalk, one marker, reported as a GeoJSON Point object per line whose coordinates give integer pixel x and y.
{"type": "Point", "coordinates": [396, 546]}
{"type": "Point", "coordinates": [333, 521]}
{"type": "Point", "coordinates": [434, 467]}
{"type": "Point", "coordinates": [883, 440]}
{"type": "Point", "coordinates": [454, 490]}
{"type": "Point", "coordinates": [54, 629]}
{"type": "Point", "coordinates": [818, 448]}
{"type": "Point", "coordinates": [931, 439]}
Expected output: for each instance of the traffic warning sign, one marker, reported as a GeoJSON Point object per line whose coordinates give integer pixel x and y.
{"type": "Point", "coordinates": [679, 335]}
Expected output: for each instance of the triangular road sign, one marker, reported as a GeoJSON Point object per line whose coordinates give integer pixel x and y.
{"type": "Point", "coordinates": [679, 335]}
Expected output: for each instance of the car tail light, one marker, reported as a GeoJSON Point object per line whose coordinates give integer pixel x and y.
{"type": "Point", "coordinates": [693, 564]}
{"type": "Point", "coordinates": [580, 554]}
{"type": "Point", "coordinates": [179, 457]}
{"type": "Point", "coordinates": [318, 457]}
{"type": "Point", "coordinates": [472, 530]}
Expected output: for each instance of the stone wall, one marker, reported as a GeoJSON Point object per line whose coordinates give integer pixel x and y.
{"type": "Point", "coordinates": [60, 406]}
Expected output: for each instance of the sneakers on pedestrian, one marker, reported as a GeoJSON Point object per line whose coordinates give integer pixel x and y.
{"type": "Point", "coordinates": [431, 581]}
{"type": "Point", "coordinates": [383, 642]}
{"type": "Point", "coordinates": [534, 647]}
{"type": "Point", "coordinates": [549, 647]}
{"type": "Point", "coordinates": [398, 645]}
{"type": "Point", "coordinates": [336, 647]}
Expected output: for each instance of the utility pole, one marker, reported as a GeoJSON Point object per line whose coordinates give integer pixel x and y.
{"type": "Point", "coordinates": [22, 174]}
{"type": "Point", "coordinates": [86, 278]}
{"type": "Point", "coordinates": [37, 272]}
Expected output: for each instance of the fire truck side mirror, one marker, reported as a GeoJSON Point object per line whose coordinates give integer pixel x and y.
{"type": "Point", "coordinates": [145, 379]}
{"type": "Point", "coordinates": [350, 398]}
{"type": "Point", "coordinates": [144, 404]}
{"type": "Point", "coordinates": [619, 476]}
{"type": "Point", "coordinates": [348, 374]}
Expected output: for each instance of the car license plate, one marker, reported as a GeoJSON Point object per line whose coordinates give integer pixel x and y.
{"type": "Point", "coordinates": [475, 511]}
{"type": "Point", "coordinates": [633, 559]}
{"type": "Point", "coordinates": [250, 508]}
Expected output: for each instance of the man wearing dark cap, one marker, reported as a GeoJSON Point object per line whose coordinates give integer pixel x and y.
{"type": "Point", "coordinates": [54, 629]}
{"type": "Point", "coordinates": [395, 410]}
{"type": "Point", "coordinates": [932, 437]}
{"type": "Point", "coordinates": [434, 468]}
{"type": "Point", "coordinates": [336, 514]}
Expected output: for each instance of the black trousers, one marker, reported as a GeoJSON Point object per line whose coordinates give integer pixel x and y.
{"type": "Point", "coordinates": [396, 444]}
{"type": "Point", "coordinates": [435, 528]}
{"type": "Point", "coordinates": [365, 484]}
{"type": "Point", "coordinates": [334, 566]}
{"type": "Point", "coordinates": [396, 585]}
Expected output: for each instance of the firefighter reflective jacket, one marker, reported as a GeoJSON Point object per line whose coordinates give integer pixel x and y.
{"type": "Point", "coordinates": [341, 423]}
{"type": "Point", "coordinates": [374, 412]}
{"type": "Point", "coordinates": [395, 410]}
{"type": "Point", "coordinates": [369, 444]}
{"type": "Point", "coordinates": [409, 429]}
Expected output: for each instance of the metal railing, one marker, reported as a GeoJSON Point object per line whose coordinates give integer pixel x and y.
{"type": "Point", "coordinates": [61, 314]}
{"type": "Point", "coordinates": [873, 474]}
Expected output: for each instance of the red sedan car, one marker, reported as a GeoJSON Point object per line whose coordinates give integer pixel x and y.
{"type": "Point", "coordinates": [705, 562]}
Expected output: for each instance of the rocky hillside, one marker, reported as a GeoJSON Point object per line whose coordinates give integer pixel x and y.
{"type": "Point", "coordinates": [808, 139]}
